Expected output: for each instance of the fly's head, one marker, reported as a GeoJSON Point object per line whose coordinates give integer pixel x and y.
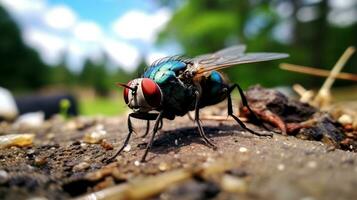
{"type": "Point", "coordinates": [142, 94]}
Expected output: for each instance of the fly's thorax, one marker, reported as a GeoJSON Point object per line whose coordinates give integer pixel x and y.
{"type": "Point", "coordinates": [145, 96]}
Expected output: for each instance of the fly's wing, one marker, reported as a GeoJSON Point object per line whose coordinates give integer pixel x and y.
{"type": "Point", "coordinates": [227, 54]}
{"type": "Point", "coordinates": [229, 57]}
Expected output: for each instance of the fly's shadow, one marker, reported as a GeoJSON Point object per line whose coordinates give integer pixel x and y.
{"type": "Point", "coordinates": [172, 140]}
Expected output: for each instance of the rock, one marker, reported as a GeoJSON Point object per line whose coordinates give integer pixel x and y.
{"type": "Point", "coordinates": [95, 136]}
{"type": "Point", "coordinates": [30, 120]}
{"type": "Point", "coordinates": [4, 176]}
{"type": "Point", "coordinates": [19, 140]}
{"type": "Point", "coordinates": [81, 166]}
{"type": "Point", "coordinates": [234, 184]}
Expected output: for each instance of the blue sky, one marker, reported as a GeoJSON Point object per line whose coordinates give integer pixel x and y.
{"type": "Point", "coordinates": [105, 11]}
{"type": "Point", "coordinates": [125, 30]}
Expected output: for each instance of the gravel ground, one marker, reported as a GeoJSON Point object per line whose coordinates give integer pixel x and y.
{"type": "Point", "coordinates": [60, 165]}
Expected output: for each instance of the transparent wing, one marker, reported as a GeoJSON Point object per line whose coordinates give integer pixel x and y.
{"type": "Point", "coordinates": [231, 56]}
{"type": "Point", "coordinates": [226, 54]}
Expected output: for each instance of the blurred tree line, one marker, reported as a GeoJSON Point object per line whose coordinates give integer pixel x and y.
{"type": "Point", "coordinates": [298, 27]}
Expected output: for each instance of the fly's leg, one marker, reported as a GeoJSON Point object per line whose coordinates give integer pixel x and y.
{"type": "Point", "coordinates": [130, 127]}
{"type": "Point", "coordinates": [190, 116]}
{"type": "Point", "coordinates": [198, 122]}
{"type": "Point", "coordinates": [245, 103]}
{"type": "Point", "coordinates": [147, 129]}
{"type": "Point", "coordinates": [156, 128]}
{"type": "Point", "coordinates": [144, 116]}
{"type": "Point", "coordinates": [161, 124]}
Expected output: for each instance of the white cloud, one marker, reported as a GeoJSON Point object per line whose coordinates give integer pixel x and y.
{"type": "Point", "coordinates": [23, 7]}
{"type": "Point", "coordinates": [60, 17]}
{"type": "Point", "coordinates": [51, 47]}
{"type": "Point", "coordinates": [25, 12]}
{"type": "Point", "coordinates": [57, 30]}
{"type": "Point", "coordinates": [88, 31]}
{"type": "Point", "coordinates": [153, 56]}
{"type": "Point", "coordinates": [139, 25]}
{"type": "Point", "coordinates": [122, 54]}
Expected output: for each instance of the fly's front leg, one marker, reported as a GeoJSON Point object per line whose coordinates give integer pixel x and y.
{"type": "Point", "coordinates": [245, 103]}
{"type": "Point", "coordinates": [130, 128]}
{"type": "Point", "coordinates": [147, 129]}
{"type": "Point", "coordinates": [161, 124]}
{"type": "Point", "coordinates": [198, 122]}
{"type": "Point", "coordinates": [156, 128]}
{"type": "Point", "coordinates": [144, 116]}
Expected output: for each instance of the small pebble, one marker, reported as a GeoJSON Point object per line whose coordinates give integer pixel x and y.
{"type": "Point", "coordinates": [84, 145]}
{"type": "Point", "coordinates": [311, 164]}
{"type": "Point", "coordinates": [19, 140]}
{"type": "Point", "coordinates": [345, 119]}
{"type": "Point", "coordinates": [127, 148]}
{"type": "Point", "coordinates": [307, 198]}
{"type": "Point", "coordinates": [137, 163]}
{"type": "Point", "coordinates": [4, 176]}
{"type": "Point", "coordinates": [50, 135]}
{"type": "Point", "coordinates": [94, 136]}
{"type": "Point", "coordinates": [106, 145]}
{"type": "Point", "coordinates": [81, 166]}
{"type": "Point", "coordinates": [234, 184]}
{"type": "Point", "coordinates": [163, 166]}
{"type": "Point", "coordinates": [99, 127]}
{"type": "Point", "coordinates": [281, 167]}
{"type": "Point", "coordinates": [39, 161]}
{"type": "Point", "coordinates": [37, 198]}
{"type": "Point", "coordinates": [176, 142]}
{"type": "Point", "coordinates": [243, 149]}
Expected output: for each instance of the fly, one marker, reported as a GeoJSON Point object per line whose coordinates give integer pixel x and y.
{"type": "Point", "coordinates": [173, 86]}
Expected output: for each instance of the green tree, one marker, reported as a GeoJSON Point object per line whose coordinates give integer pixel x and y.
{"type": "Point", "coordinates": [203, 26]}
{"type": "Point", "coordinates": [96, 75]}
{"type": "Point", "coordinates": [20, 66]}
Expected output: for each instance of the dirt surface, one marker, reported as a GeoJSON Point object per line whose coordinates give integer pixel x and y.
{"type": "Point", "coordinates": [60, 165]}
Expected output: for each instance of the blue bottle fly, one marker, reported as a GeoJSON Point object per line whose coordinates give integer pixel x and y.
{"type": "Point", "coordinates": [173, 86]}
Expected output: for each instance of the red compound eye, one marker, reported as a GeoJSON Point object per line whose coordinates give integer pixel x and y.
{"type": "Point", "coordinates": [152, 92]}
{"type": "Point", "coordinates": [126, 93]}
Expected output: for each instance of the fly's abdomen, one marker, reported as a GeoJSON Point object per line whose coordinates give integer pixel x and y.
{"type": "Point", "coordinates": [213, 89]}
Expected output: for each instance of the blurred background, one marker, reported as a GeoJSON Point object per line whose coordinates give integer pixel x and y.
{"type": "Point", "coordinates": [81, 48]}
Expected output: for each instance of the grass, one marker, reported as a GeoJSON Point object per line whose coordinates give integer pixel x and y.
{"type": "Point", "coordinates": [102, 106]}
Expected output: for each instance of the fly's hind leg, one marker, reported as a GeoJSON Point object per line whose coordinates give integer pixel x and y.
{"type": "Point", "coordinates": [198, 122]}
{"type": "Point", "coordinates": [245, 103]}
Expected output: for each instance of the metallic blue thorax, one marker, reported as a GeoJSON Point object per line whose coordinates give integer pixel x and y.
{"type": "Point", "coordinates": [165, 71]}
{"type": "Point", "coordinates": [179, 96]}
